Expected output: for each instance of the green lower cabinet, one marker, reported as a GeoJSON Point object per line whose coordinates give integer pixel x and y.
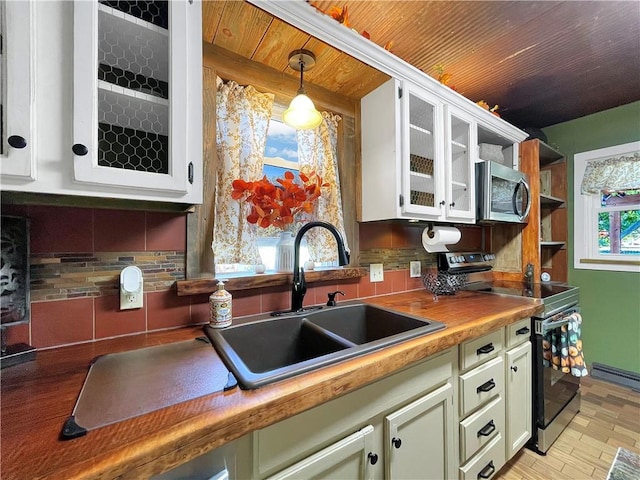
{"type": "Point", "coordinates": [419, 438]}
{"type": "Point", "coordinates": [347, 458]}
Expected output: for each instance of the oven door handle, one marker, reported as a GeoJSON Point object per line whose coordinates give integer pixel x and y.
{"type": "Point", "coordinates": [553, 325]}
{"type": "Point", "coordinates": [543, 326]}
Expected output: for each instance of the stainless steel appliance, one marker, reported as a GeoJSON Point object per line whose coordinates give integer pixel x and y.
{"type": "Point", "coordinates": [503, 194]}
{"type": "Point", "coordinates": [556, 395]}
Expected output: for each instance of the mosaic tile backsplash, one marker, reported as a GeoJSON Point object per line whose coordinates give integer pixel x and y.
{"type": "Point", "coordinates": [55, 276]}
{"type": "Point", "coordinates": [77, 255]}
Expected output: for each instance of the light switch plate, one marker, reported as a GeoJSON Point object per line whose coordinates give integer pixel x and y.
{"type": "Point", "coordinates": [414, 268]}
{"type": "Point", "coordinates": [376, 272]}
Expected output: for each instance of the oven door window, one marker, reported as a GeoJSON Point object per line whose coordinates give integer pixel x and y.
{"type": "Point", "coordinates": [559, 388]}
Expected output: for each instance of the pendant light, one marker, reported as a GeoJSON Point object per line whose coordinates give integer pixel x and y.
{"type": "Point", "coordinates": [302, 114]}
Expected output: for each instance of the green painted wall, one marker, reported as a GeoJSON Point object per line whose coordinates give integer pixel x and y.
{"type": "Point", "coordinates": [610, 300]}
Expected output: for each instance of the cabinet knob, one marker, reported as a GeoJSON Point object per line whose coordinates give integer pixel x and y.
{"type": "Point", "coordinates": [452, 204]}
{"type": "Point", "coordinates": [514, 368]}
{"type": "Point", "coordinates": [397, 443]}
{"type": "Point", "coordinates": [442, 202]}
{"type": "Point", "coordinates": [80, 149]}
{"type": "Point", "coordinates": [16, 141]}
{"type": "Point", "coordinates": [373, 458]}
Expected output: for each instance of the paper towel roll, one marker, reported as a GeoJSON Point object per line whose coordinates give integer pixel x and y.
{"type": "Point", "coordinates": [442, 236]}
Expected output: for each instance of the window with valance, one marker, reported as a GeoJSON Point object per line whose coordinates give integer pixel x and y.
{"type": "Point", "coordinates": [607, 208]}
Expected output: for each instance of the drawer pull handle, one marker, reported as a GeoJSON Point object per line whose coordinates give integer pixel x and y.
{"type": "Point", "coordinates": [487, 471]}
{"type": "Point", "coordinates": [397, 443]}
{"type": "Point", "coordinates": [487, 386]}
{"type": "Point", "coordinates": [522, 331]}
{"type": "Point", "coordinates": [486, 349]}
{"type": "Point", "coordinates": [487, 430]}
{"type": "Point", "coordinates": [373, 458]}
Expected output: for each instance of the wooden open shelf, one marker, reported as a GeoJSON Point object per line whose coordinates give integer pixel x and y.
{"type": "Point", "coordinates": [209, 284]}
{"type": "Point", "coordinates": [545, 248]}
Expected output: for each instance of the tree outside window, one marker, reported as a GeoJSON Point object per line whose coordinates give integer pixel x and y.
{"type": "Point", "coordinates": [619, 230]}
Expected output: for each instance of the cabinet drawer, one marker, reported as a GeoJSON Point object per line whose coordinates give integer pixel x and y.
{"type": "Point", "coordinates": [486, 463]}
{"type": "Point", "coordinates": [481, 384]}
{"type": "Point", "coordinates": [481, 349]}
{"type": "Point", "coordinates": [518, 332]}
{"type": "Point", "coordinates": [481, 427]}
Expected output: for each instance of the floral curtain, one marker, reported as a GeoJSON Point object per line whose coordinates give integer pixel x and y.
{"type": "Point", "coordinates": [317, 151]}
{"type": "Point", "coordinates": [617, 173]}
{"type": "Point", "coordinates": [242, 121]}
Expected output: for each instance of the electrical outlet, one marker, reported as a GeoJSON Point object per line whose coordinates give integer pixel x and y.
{"type": "Point", "coordinates": [130, 300]}
{"type": "Point", "coordinates": [376, 272]}
{"type": "Point", "coordinates": [414, 268]}
{"type": "Point", "coordinates": [131, 288]}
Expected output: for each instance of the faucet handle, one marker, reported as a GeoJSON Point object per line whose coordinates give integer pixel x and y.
{"type": "Point", "coordinates": [332, 298]}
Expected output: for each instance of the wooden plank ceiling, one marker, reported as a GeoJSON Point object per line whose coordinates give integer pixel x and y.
{"type": "Point", "coordinates": [542, 62]}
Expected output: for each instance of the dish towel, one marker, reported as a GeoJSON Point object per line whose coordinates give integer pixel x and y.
{"type": "Point", "coordinates": [562, 348]}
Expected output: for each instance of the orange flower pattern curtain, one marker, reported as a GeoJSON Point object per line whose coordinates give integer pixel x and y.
{"type": "Point", "coordinates": [317, 151]}
{"type": "Point", "coordinates": [242, 121]}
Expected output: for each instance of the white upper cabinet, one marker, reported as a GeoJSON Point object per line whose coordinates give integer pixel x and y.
{"type": "Point", "coordinates": [417, 156]}
{"type": "Point", "coordinates": [131, 110]}
{"type": "Point", "coordinates": [17, 151]}
{"type": "Point", "coordinates": [118, 100]}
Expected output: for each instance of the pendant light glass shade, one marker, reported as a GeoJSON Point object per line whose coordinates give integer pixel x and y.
{"type": "Point", "coordinates": [302, 113]}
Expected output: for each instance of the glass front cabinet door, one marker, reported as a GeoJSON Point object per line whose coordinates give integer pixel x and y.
{"type": "Point", "coordinates": [422, 173]}
{"type": "Point", "coordinates": [137, 96]}
{"type": "Point", "coordinates": [460, 135]}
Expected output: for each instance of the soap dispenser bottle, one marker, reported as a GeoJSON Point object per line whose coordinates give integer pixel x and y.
{"type": "Point", "coordinates": [220, 307]}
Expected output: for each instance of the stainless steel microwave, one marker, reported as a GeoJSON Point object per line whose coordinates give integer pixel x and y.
{"type": "Point", "coordinates": [503, 194]}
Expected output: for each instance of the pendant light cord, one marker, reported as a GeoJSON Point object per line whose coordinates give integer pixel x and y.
{"type": "Point", "coordinates": [301, 89]}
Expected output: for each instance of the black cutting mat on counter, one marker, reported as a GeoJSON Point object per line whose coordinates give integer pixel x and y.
{"type": "Point", "coordinates": [124, 385]}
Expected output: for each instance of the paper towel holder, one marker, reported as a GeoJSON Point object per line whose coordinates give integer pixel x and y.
{"type": "Point", "coordinates": [430, 231]}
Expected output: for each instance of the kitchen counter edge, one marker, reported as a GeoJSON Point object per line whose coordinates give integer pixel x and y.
{"type": "Point", "coordinates": [158, 441]}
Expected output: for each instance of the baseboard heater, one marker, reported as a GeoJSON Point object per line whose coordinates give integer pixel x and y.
{"type": "Point", "coordinates": [616, 375]}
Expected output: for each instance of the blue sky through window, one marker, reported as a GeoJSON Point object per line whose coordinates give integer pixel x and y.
{"type": "Point", "coordinates": [281, 151]}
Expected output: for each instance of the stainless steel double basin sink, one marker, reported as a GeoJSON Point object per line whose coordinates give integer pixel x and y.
{"type": "Point", "coordinates": [266, 351]}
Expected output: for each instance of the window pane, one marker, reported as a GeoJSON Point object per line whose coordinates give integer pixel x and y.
{"type": "Point", "coordinates": [620, 197]}
{"type": "Point", "coordinates": [274, 172]}
{"type": "Point", "coordinates": [282, 142]}
{"type": "Point", "coordinates": [619, 232]}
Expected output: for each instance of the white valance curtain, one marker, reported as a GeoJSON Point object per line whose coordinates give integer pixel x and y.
{"type": "Point", "coordinates": [611, 174]}
{"type": "Point", "coordinates": [317, 151]}
{"type": "Point", "coordinates": [242, 121]}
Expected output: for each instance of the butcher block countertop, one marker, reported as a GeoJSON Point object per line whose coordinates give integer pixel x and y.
{"type": "Point", "coordinates": [37, 397]}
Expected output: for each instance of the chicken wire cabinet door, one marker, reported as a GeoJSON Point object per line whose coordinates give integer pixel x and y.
{"type": "Point", "coordinates": [137, 111]}
{"type": "Point", "coordinates": [422, 165]}
{"type": "Point", "coordinates": [419, 438]}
